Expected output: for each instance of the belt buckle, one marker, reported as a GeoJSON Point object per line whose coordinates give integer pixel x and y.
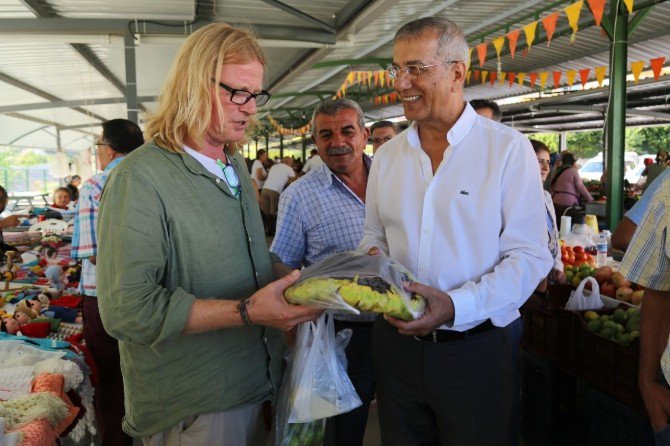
{"type": "Point", "coordinates": [434, 341]}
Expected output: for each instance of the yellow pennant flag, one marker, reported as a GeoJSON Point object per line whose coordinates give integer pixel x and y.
{"type": "Point", "coordinates": [498, 44]}
{"type": "Point", "coordinates": [636, 68]}
{"type": "Point", "coordinates": [350, 78]}
{"type": "Point", "coordinates": [469, 57]}
{"type": "Point", "coordinates": [502, 77]}
{"type": "Point", "coordinates": [484, 74]}
{"type": "Point", "coordinates": [572, 12]}
{"type": "Point", "coordinates": [570, 75]}
{"type": "Point", "coordinates": [529, 31]}
{"type": "Point", "coordinates": [600, 75]}
{"type": "Point", "coordinates": [543, 79]}
{"type": "Point", "coordinates": [467, 76]}
{"type": "Point", "coordinates": [521, 78]}
{"type": "Point", "coordinates": [382, 78]}
{"type": "Point", "coordinates": [369, 79]}
{"type": "Point", "coordinates": [629, 5]}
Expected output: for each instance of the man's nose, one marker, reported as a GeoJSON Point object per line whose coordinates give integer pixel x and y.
{"type": "Point", "coordinates": [250, 107]}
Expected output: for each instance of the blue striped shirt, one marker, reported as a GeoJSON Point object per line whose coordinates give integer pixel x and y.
{"type": "Point", "coordinates": [319, 216]}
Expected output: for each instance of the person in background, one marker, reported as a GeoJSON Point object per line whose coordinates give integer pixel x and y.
{"type": "Point", "coordinates": [487, 108]}
{"type": "Point", "coordinates": [61, 198]}
{"type": "Point", "coordinates": [258, 172]}
{"type": "Point", "coordinates": [8, 222]}
{"type": "Point", "coordinates": [567, 188]}
{"type": "Point", "coordinates": [475, 241]}
{"type": "Point", "coordinates": [647, 263]}
{"type": "Point", "coordinates": [321, 215]}
{"type": "Point", "coordinates": [185, 281]}
{"type": "Point", "coordinates": [73, 187]}
{"type": "Point", "coordinates": [624, 231]}
{"type": "Point", "coordinates": [381, 132]}
{"type": "Point", "coordinates": [119, 137]}
{"type": "Point", "coordinates": [654, 170]}
{"type": "Point", "coordinates": [556, 274]}
{"type": "Point", "coordinates": [279, 176]}
{"type": "Point", "coordinates": [313, 162]}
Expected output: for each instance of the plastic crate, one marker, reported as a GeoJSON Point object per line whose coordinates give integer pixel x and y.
{"type": "Point", "coordinates": [549, 329]}
{"type": "Point", "coordinates": [608, 366]}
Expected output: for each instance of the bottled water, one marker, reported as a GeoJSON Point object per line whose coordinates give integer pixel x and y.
{"type": "Point", "coordinates": [601, 247]}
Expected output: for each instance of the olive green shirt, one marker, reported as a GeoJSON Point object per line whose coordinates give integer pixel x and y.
{"type": "Point", "coordinates": [171, 232]}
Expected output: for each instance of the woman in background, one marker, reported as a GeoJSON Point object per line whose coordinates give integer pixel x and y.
{"type": "Point", "coordinates": [567, 187]}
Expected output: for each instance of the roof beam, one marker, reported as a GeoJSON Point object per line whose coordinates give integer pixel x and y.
{"type": "Point", "coordinates": [65, 104]}
{"type": "Point", "coordinates": [301, 15]}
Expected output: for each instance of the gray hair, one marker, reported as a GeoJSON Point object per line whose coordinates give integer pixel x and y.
{"type": "Point", "coordinates": [452, 44]}
{"type": "Point", "coordinates": [331, 107]}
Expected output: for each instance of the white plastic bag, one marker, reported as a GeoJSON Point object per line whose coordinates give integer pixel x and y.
{"type": "Point", "coordinates": [582, 299]}
{"type": "Point", "coordinates": [316, 385]}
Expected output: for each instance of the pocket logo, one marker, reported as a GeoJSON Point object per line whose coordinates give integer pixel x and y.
{"type": "Point", "coordinates": [464, 192]}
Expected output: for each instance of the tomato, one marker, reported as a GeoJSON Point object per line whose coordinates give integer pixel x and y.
{"type": "Point", "coordinates": [577, 249]}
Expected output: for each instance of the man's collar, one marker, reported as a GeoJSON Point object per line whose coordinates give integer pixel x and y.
{"type": "Point", "coordinates": [113, 163]}
{"type": "Point", "coordinates": [456, 133]}
{"type": "Point", "coordinates": [327, 175]}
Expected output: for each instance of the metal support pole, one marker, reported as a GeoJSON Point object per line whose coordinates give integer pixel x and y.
{"type": "Point", "coordinates": [131, 78]}
{"type": "Point", "coordinates": [281, 147]}
{"type": "Point", "coordinates": [616, 116]}
{"type": "Point", "coordinates": [267, 143]}
{"type": "Point", "coordinates": [562, 141]}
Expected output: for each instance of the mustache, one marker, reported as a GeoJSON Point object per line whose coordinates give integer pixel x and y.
{"type": "Point", "coordinates": [333, 151]}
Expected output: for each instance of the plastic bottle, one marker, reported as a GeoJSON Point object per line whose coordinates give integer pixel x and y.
{"type": "Point", "coordinates": [601, 247]}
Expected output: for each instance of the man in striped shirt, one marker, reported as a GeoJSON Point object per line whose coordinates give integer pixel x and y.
{"type": "Point", "coordinates": [119, 137]}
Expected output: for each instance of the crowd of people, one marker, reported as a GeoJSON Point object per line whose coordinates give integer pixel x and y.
{"type": "Point", "coordinates": [184, 309]}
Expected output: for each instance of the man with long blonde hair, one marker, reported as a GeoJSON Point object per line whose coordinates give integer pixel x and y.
{"type": "Point", "coordinates": [184, 274]}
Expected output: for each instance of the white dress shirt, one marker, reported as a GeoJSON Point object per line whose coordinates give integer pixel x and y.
{"type": "Point", "coordinates": [278, 177]}
{"type": "Point", "coordinates": [254, 173]}
{"type": "Point", "coordinates": [312, 164]}
{"type": "Point", "coordinates": [476, 230]}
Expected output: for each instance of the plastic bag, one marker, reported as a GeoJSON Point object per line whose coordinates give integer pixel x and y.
{"type": "Point", "coordinates": [380, 273]}
{"type": "Point", "coordinates": [582, 299]}
{"type": "Point", "coordinates": [316, 385]}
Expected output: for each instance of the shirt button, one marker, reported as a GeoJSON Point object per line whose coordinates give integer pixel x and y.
{"type": "Point", "coordinates": [265, 339]}
{"type": "Point", "coordinates": [256, 273]}
{"type": "Point", "coordinates": [249, 238]}
{"type": "Point", "coordinates": [218, 180]}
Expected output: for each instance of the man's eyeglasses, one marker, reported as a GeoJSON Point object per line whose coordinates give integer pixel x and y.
{"type": "Point", "coordinates": [382, 140]}
{"type": "Point", "coordinates": [412, 70]}
{"type": "Point", "coordinates": [241, 97]}
{"type": "Point", "coordinates": [231, 177]}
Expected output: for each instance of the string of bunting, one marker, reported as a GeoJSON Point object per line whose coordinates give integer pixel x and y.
{"type": "Point", "coordinates": [482, 76]}
{"type": "Point", "coordinates": [376, 79]}
{"type": "Point", "coordinates": [286, 131]}
{"type": "Point", "coordinates": [572, 12]}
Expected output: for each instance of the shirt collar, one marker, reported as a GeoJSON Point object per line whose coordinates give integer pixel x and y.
{"type": "Point", "coordinates": [327, 175]}
{"type": "Point", "coordinates": [196, 161]}
{"type": "Point", "coordinates": [113, 164]}
{"type": "Point", "coordinates": [456, 133]}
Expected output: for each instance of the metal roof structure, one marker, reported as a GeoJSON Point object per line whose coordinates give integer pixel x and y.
{"type": "Point", "coordinates": [67, 65]}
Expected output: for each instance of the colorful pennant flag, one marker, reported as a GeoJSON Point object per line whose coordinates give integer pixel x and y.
{"type": "Point", "coordinates": [600, 75]}
{"type": "Point", "coordinates": [511, 76]}
{"type": "Point", "coordinates": [570, 76]}
{"type": "Point", "coordinates": [549, 24]}
{"type": "Point", "coordinates": [502, 77]}
{"type": "Point", "coordinates": [529, 30]}
{"type": "Point", "coordinates": [481, 53]}
{"type": "Point", "coordinates": [498, 44]}
{"type": "Point", "coordinates": [543, 79]}
{"type": "Point", "coordinates": [557, 78]}
{"type": "Point", "coordinates": [468, 74]}
{"type": "Point", "coordinates": [522, 76]}
{"type": "Point", "coordinates": [629, 5]}
{"type": "Point", "coordinates": [636, 68]}
{"type": "Point", "coordinates": [533, 78]}
{"type": "Point", "coordinates": [484, 74]}
{"type": "Point", "coordinates": [476, 73]}
{"type": "Point", "coordinates": [597, 9]}
{"type": "Point", "coordinates": [584, 76]}
{"type": "Point", "coordinates": [572, 12]}
{"type": "Point", "coordinates": [512, 37]}
{"type": "Point", "coordinates": [494, 76]}
{"type": "Point", "coordinates": [469, 57]}
{"type": "Point", "coordinates": [657, 66]}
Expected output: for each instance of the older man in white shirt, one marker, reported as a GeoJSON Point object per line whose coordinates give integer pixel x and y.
{"type": "Point", "coordinates": [457, 199]}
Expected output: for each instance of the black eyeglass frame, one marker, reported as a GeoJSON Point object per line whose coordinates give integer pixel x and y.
{"type": "Point", "coordinates": [249, 95]}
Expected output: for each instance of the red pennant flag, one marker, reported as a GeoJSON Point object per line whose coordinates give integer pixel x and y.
{"type": "Point", "coordinates": [584, 76]}
{"type": "Point", "coordinates": [481, 52]}
{"type": "Point", "coordinates": [549, 24]}
{"type": "Point", "coordinates": [597, 8]}
{"type": "Point", "coordinates": [511, 76]}
{"type": "Point", "coordinates": [657, 66]}
{"type": "Point", "coordinates": [476, 75]}
{"type": "Point", "coordinates": [512, 37]}
{"type": "Point", "coordinates": [557, 78]}
{"type": "Point", "coordinates": [533, 78]}
{"type": "Point", "coordinates": [494, 76]}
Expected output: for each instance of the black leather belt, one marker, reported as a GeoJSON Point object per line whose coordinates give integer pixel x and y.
{"type": "Point", "coordinates": [450, 335]}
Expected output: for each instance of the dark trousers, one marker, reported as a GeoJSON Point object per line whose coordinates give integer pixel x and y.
{"type": "Point", "coordinates": [348, 429]}
{"type": "Point", "coordinates": [448, 393]}
{"type": "Point", "coordinates": [108, 399]}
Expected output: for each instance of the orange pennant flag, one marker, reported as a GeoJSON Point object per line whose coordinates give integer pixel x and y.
{"type": "Point", "coordinates": [476, 72]}
{"type": "Point", "coordinates": [636, 68]}
{"type": "Point", "coordinates": [543, 79]}
{"type": "Point", "coordinates": [494, 76]}
{"type": "Point", "coordinates": [600, 75]}
{"type": "Point", "coordinates": [467, 76]}
{"type": "Point", "coordinates": [529, 30]}
{"type": "Point", "coordinates": [469, 57]}
{"type": "Point", "coordinates": [584, 76]}
{"type": "Point", "coordinates": [629, 5]}
{"type": "Point", "coordinates": [597, 8]}
{"type": "Point", "coordinates": [549, 24]}
{"type": "Point", "coordinates": [502, 77]}
{"type": "Point", "coordinates": [557, 78]}
{"type": "Point", "coordinates": [522, 76]}
{"type": "Point", "coordinates": [484, 74]}
{"type": "Point", "coordinates": [657, 66]}
{"type": "Point", "coordinates": [570, 75]}
{"type": "Point", "coordinates": [481, 53]}
{"type": "Point", "coordinates": [533, 78]}
{"type": "Point", "coordinates": [573, 12]}
{"type": "Point", "coordinates": [512, 37]}
{"type": "Point", "coordinates": [376, 78]}
{"type": "Point", "coordinates": [510, 76]}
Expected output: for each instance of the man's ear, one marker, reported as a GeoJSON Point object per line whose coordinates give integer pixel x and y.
{"type": "Point", "coordinates": [458, 72]}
